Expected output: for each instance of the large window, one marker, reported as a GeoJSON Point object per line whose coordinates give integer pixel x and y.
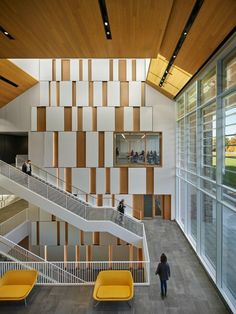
{"type": "Point", "coordinates": [209, 141]}
{"type": "Point", "coordinates": [229, 72]}
{"type": "Point", "coordinates": [191, 143]}
{"type": "Point", "coordinates": [208, 229]}
{"type": "Point", "coordinates": [229, 253]}
{"type": "Point", "coordinates": [229, 169]}
{"type": "Point", "coordinates": [208, 86]}
{"type": "Point", "coordinates": [137, 149]}
{"type": "Point", "coordinates": [192, 211]}
{"type": "Point", "coordinates": [191, 98]}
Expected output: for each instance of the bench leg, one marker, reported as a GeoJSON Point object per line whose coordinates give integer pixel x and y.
{"type": "Point", "coordinates": [96, 304]}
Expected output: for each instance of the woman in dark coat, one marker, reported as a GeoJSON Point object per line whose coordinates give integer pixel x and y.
{"type": "Point", "coordinates": [163, 270]}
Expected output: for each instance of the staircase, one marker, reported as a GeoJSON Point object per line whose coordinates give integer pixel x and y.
{"type": "Point", "coordinates": [14, 256]}
{"type": "Point", "coordinates": [70, 208]}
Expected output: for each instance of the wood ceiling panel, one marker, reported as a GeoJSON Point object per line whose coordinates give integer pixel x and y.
{"type": "Point", "coordinates": [214, 22]}
{"type": "Point", "coordinates": [180, 13]}
{"type": "Point", "coordinates": [11, 72]}
{"type": "Point", "coordinates": [73, 28]}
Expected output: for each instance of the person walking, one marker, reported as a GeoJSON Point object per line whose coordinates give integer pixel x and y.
{"type": "Point", "coordinates": [121, 210]}
{"type": "Point", "coordinates": [163, 270]}
{"type": "Point", "coordinates": [26, 167]}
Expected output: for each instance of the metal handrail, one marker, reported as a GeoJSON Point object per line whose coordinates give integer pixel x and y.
{"type": "Point", "coordinates": [70, 202]}
{"type": "Point", "coordinates": [20, 159]}
{"type": "Point", "coordinates": [14, 251]}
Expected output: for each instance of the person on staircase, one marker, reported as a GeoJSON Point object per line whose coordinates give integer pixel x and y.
{"type": "Point", "coordinates": [121, 210]}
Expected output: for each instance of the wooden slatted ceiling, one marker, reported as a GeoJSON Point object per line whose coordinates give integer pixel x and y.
{"type": "Point", "coordinates": [11, 72]}
{"type": "Point", "coordinates": [215, 20]}
{"type": "Point", "coordinates": [72, 28]}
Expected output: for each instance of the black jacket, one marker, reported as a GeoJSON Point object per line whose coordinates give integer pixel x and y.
{"type": "Point", "coordinates": [163, 270]}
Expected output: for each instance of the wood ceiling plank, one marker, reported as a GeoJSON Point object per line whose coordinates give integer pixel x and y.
{"type": "Point", "coordinates": [63, 29]}
{"type": "Point", "coordinates": [11, 72]}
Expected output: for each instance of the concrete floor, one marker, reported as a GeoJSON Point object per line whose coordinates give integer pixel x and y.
{"type": "Point", "coordinates": [189, 289]}
{"type": "Point", "coordinates": [12, 209]}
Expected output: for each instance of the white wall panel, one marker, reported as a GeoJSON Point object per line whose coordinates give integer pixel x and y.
{"type": "Point", "coordinates": [45, 69]}
{"type": "Point", "coordinates": [81, 179]}
{"type": "Point", "coordinates": [113, 93]}
{"type": "Point", "coordinates": [128, 69]}
{"type": "Point", "coordinates": [147, 63]}
{"type": "Point", "coordinates": [34, 119]}
{"type": "Point", "coordinates": [48, 149]}
{"type": "Point", "coordinates": [44, 216]}
{"type": "Point", "coordinates": [100, 70]}
{"type": "Point", "coordinates": [58, 69]}
{"type": "Point", "coordinates": [67, 149]}
{"type": "Point", "coordinates": [30, 66]}
{"type": "Point", "coordinates": [85, 69]}
{"type": "Point", "coordinates": [97, 94]}
{"type": "Point", "coordinates": [74, 69]}
{"type": "Point", "coordinates": [101, 180]}
{"type": "Point", "coordinates": [108, 158]}
{"type": "Point", "coordinates": [106, 119]}
{"type": "Point", "coordinates": [74, 118]}
{"type": "Point", "coordinates": [53, 92]}
{"type": "Point", "coordinates": [48, 233]}
{"type": "Point", "coordinates": [65, 93]}
{"type": "Point", "coordinates": [55, 119]}
{"type": "Point", "coordinates": [87, 119]}
{"type": "Point", "coordinates": [36, 148]}
{"type": "Point", "coordinates": [134, 93]}
{"type": "Point", "coordinates": [82, 93]}
{"type": "Point", "coordinates": [140, 70]}
{"type": "Point", "coordinates": [115, 70]}
{"type": "Point", "coordinates": [128, 119]}
{"type": "Point", "coordinates": [92, 149]}
{"type": "Point", "coordinates": [145, 118]}
{"type": "Point", "coordinates": [54, 174]}
{"type": "Point", "coordinates": [107, 200]}
{"type": "Point", "coordinates": [61, 182]}
{"type": "Point", "coordinates": [137, 181]}
{"type": "Point", "coordinates": [115, 180]}
{"type": "Point", "coordinates": [44, 94]}
{"type": "Point", "coordinates": [73, 235]}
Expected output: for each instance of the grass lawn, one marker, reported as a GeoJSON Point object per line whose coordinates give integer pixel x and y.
{"type": "Point", "coordinates": [229, 178]}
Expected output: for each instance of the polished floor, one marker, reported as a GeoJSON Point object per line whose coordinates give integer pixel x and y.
{"type": "Point", "coordinates": [189, 290]}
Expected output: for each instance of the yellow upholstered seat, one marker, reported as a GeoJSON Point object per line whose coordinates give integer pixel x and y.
{"type": "Point", "coordinates": [114, 285]}
{"type": "Point", "coordinates": [16, 285]}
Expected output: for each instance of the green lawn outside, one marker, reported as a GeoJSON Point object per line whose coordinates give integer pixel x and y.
{"type": "Point", "coordinates": [229, 178]}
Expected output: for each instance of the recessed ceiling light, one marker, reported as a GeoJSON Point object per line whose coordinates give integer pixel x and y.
{"type": "Point", "coordinates": [166, 71]}
{"type": "Point", "coordinates": [6, 33]}
{"type": "Point", "coordinates": [106, 23]}
{"type": "Point", "coordinates": [105, 18]}
{"type": "Point", "coordinates": [174, 56]}
{"type": "Point", "coordinates": [108, 33]}
{"type": "Point", "coordinates": [185, 33]}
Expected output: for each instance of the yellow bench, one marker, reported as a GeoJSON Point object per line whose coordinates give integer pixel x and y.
{"type": "Point", "coordinates": [114, 285]}
{"type": "Point", "coordinates": [15, 285]}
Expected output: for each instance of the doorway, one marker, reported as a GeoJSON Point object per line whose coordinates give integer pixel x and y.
{"type": "Point", "coordinates": [148, 206]}
{"type": "Point", "coordinates": [162, 204]}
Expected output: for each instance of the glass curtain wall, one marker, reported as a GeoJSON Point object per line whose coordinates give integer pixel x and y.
{"type": "Point", "coordinates": [206, 169]}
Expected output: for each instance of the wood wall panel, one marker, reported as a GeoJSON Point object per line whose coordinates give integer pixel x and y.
{"type": "Point", "coordinates": [80, 119]}
{"type": "Point", "coordinates": [93, 180]}
{"type": "Point", "coordinates": [104, 94]}
{"type": "Point", "coordinates": [41, 119]}
{"type": "Point", "coordinates": [73, 94]}
{"type": "Point", "coordinates": [96, 238]}
{"type": "Point", "coordinates": [99, 200]}
{"type": "Point", "coordinates": [89, 70]}
{"type": "Point", "coordinates": [111, 70]}
{"type": "Point", "coordinates": [80, 70]}
{"type": "Point", "coordinates": [81, 237]}
{"type": "Point", "coordinates": [101, 149]}
{"type": "Point", "coordinates": [138, 204]}
{"type": "Point", "coordinates": [67, 118]}
{"type": "Point", "coordinates": [122, 70]}
{"type": "Point", "coordinates": [81, 149]}
{"type": "Point", "coordinates": [124, 94]}
{"type": "Point", "coordinates": [108, 179]}
{"type": "Point", "coordinates": [124, 180]}
{"type": "Point", "coordinates": [58, 93]}
{"type": "Point", "coordinates": [150, 180]}
{"type": "Point", "coordinates": [68, 180]}
{"type": "Point", "coordinates": [167, 207]}
{"type": "Point", "coordinates": [91, 100]}
{"type": "Point", "coordinates": [94, 113]}
{"type": "Point", "coordinates": [143, 100]}
{"type": "Point", "coordinates": [55, 149]}
{"type": "Point", "coordinates": [136, 119]}
{"type": "Point", "coordinates": [54, 70]}
{"type": "Point", "coordinates": [65, 70]}
{"type": "Point", "coordinates": [119, 119]}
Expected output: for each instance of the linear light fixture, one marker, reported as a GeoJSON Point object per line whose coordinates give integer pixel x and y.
{"type": "Point", "coordinates": [104, 14]}
{"type": "Point", "coordinates": [2, 78]}
{"type": "Point", "coordinates": [6, 33]}
{"type": "Point", "coordinates": [188, 25]}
